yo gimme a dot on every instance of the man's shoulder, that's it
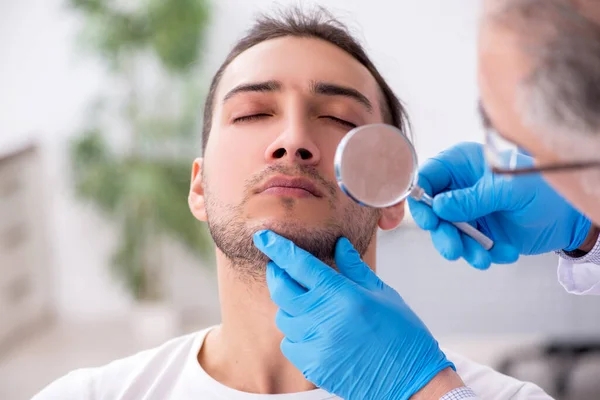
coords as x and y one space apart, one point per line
490 384
114 379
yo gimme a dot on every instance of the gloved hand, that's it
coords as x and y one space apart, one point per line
349 333
523 215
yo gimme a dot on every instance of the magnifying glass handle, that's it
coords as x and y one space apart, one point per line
482 239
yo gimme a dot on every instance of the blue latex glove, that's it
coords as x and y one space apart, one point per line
349 333
523 215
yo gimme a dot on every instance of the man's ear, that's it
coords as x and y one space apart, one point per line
196 196
392 216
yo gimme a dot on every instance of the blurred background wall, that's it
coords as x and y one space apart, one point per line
426 50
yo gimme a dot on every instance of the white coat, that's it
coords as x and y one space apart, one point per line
579 278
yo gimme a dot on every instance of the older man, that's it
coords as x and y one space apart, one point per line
539 77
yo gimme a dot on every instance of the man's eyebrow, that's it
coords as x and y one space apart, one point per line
485 119
331 89
266 86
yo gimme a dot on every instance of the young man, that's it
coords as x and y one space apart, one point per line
276 111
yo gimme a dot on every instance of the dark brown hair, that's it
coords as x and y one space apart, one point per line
318 24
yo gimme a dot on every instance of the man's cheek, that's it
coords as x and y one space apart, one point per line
227 186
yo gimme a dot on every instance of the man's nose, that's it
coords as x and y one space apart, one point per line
295 145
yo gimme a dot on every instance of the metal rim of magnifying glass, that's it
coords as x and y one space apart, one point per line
338 165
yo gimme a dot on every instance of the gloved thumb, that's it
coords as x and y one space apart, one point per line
350 264
468 204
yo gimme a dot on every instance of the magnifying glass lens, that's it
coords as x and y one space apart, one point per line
377 165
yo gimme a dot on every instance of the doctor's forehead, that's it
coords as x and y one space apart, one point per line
297 62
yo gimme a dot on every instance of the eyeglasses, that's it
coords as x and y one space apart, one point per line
506 158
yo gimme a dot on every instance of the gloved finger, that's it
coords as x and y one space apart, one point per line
447 241
470 203
434 176
423 215
475 254
294 328
352 266
297 354
285 292
504 253
306 358
300 265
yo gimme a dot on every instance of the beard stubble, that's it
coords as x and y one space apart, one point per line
232 232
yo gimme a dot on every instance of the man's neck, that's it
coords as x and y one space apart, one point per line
244 352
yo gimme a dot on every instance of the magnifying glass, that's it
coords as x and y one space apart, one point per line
376 166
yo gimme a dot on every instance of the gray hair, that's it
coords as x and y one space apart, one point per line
561 94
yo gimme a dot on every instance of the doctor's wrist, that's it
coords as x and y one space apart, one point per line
591 239
445 381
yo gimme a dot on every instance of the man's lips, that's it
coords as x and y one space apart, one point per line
290 186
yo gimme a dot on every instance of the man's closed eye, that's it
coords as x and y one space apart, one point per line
252 117
255 117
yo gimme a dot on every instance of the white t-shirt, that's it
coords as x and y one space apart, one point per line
172 372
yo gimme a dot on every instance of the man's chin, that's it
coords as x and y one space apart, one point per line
319 240
290 228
